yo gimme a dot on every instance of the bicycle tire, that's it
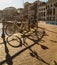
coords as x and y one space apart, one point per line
10 30
17 39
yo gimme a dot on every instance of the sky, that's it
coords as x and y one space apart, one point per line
14 3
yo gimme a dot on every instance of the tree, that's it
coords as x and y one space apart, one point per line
10 13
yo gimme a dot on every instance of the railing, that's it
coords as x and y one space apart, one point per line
52 22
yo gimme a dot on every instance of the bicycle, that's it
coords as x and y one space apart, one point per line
16 28
13 29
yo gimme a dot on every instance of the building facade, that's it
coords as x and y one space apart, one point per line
42 12
51 10
33 10
38 10
26 6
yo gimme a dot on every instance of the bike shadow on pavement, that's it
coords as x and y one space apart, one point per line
51 31
53 41
8 57
17 39
33 53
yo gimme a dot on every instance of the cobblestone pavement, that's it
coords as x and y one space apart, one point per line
32 52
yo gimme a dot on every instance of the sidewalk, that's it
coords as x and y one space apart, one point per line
45 50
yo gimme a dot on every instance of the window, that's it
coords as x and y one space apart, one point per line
47 18
51 5
49 12
50 18
44 13
47 6
44 8
55 4
53 18
54 11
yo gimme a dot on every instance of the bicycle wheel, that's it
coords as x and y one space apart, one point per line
11 29
14 41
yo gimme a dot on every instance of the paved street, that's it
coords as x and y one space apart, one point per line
33 51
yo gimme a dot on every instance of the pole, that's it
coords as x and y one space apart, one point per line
3 34
37 13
